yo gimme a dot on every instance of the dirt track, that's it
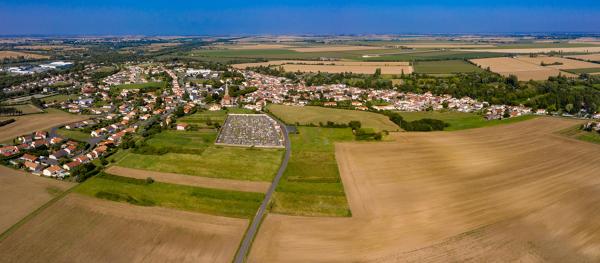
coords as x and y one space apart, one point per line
173 178
84 229
22 193
517 192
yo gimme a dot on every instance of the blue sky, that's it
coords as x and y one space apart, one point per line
199 17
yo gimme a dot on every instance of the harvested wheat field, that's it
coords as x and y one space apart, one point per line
590 57
173 178
333 48
34 122
590 49
446 45
22 193
84 229
16 54
561 63
253 46
523 70
518 192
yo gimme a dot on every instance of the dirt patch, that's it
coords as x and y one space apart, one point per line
22 193
173 178
17 54
523 70
34 122
83 229
426 189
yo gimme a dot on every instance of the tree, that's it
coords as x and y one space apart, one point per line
377 72
569 107
355 125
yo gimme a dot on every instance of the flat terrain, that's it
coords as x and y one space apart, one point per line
590 57
562 63
460 120
22 193
523 70
83 229
173 178
16 54
332 48
30 123
445 67
335 66
73 134
586 49
314 115
508 193
26 108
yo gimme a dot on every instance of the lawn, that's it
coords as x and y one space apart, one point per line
311 184
315 115
445 67
460 120
183 141
73 134
182 197
148 85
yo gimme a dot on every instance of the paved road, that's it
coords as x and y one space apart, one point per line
245 247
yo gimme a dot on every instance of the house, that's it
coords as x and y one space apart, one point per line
53 171
97 152
39 143
25 139
82 159
56 140
9 150
182 126
330 104
71 149
71 165
40 135
29 158
33 167
58 154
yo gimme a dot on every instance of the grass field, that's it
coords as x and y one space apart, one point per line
314 115
431 55
73 134
201 118
183 141
60 98
27 108
504 194
160 85
460 120
181 197
311 184
78 228
445 67
576 133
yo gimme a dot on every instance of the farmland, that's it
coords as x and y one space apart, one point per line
444 67
561 63
523 70
27 108
148 85
30 123
315 115
79 228
308 189
17 54
590 57
505 193
460 120
59 98
26 190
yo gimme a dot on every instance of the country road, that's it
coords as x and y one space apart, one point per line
251 233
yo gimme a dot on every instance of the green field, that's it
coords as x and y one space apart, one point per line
314 115
159 85
60 98
311 184
73 134
433 55
201 118
460 120
445 67
576 133
188 198
183 141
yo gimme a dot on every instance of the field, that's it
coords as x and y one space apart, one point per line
160 85
565 63
513 50
576 133
27 108
16 54
585 70
332 48
22 193
444 67
523 70
60 98
460 120
308 189
359 69
509 193
590 57
309 114
73 134
82 229
30 123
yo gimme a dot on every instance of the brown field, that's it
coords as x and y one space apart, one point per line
333 48
513 193
159 46
22 193
591 49
335 66
30 123
253 46
83 229
446 45
49 47
590 57
566 63
523 70
173 178
16 54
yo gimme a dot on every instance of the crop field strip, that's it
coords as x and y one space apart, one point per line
505 193
523 70
34 122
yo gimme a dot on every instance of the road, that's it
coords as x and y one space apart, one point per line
255 223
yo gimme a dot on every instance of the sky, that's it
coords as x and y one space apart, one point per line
247 17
